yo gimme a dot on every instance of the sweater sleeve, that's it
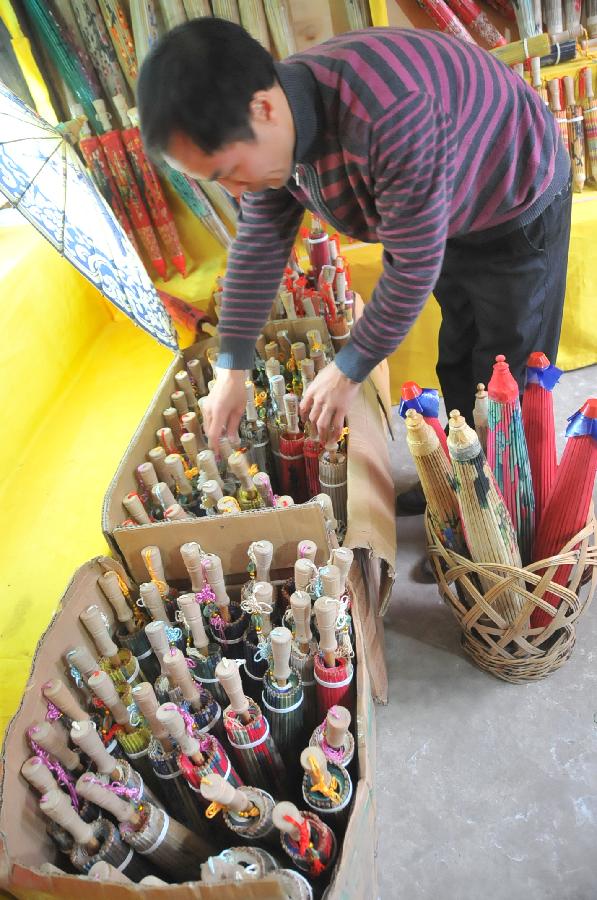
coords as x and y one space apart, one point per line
267 227
412 165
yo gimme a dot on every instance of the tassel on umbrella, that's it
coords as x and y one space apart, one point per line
333 673
567 508
576 135
508 456
147 178
487 525
426 402
538 421
327 787
437 480
333 736
248 732
247 811
309 842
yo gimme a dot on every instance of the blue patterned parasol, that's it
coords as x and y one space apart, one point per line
41 176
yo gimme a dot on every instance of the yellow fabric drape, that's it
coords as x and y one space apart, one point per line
26 60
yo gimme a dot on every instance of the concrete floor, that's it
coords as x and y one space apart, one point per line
484 789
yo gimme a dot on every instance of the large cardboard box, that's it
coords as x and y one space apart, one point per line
24 845
371 529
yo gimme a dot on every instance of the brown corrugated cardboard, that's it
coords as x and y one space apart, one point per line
24 845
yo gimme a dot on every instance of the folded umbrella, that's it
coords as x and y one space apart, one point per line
539 427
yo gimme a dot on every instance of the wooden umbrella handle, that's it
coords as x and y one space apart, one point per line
307 550
53 740
95 625
314 762
152 555
228 674
193 616
191 556
175 666
337 723
87 787
103 687
84 735
134 507
148 474
153 602
215 577
169 716
326 611
281 641
83 659
263 552
217 790
281 813
263 594
342 558
146 700
37 774
57 806
56 691
331 581
300 604
304 570
112 591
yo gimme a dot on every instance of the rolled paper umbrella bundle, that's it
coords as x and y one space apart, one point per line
121 665
539 426
206 711
98 841
553 89
293 479
247 811
238 864
474 18
248 732
312 449
327 786
152 559
333 474
200 755
204 655
437 480
426 402
487 525
333 674
62 699
259 603
85 736
304 651
150 831
480 415
247 495
333 736
576 134
508 456
309 842
567 508
282 697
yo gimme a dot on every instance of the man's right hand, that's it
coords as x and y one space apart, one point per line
224 405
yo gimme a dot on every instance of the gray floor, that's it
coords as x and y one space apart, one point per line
485 789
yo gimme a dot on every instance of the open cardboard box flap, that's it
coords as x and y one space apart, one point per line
24 844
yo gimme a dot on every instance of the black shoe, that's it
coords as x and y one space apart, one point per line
411 502
423 571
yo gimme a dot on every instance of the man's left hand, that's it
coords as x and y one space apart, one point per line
327 401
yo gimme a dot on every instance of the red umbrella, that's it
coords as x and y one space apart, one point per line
129 190
538 421
426 402
147 177
568 504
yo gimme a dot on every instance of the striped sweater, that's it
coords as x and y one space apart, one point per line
403 137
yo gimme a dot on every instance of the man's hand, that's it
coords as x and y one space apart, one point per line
327 400
224 405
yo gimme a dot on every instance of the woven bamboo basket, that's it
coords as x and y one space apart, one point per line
516 652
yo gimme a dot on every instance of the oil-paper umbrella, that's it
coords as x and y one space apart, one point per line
444 19
576 134
590 116
122 39
282 697
569 501
93 30
474 18
508 456
539 426
555 103
426 402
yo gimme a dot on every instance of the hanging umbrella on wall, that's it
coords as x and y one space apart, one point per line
42 177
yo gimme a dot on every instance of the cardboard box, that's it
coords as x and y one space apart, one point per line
371 529
24 845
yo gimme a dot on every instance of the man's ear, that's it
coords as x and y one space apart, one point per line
261 108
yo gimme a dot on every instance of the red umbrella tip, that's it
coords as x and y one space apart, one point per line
410 390
589 408
502 386
538 360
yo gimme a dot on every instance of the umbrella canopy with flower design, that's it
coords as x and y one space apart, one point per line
42 177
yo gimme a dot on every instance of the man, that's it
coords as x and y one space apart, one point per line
413 139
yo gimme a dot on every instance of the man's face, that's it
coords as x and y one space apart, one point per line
241 166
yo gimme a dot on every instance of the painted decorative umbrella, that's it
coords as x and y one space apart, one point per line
569 501
539 427
590 117
426 402
508 456
43 178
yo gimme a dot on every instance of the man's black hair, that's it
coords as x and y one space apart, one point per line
199 79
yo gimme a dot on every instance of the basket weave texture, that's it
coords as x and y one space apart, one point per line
516 652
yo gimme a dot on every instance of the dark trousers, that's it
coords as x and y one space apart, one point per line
501 295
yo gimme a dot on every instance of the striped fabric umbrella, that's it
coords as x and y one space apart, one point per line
426 402
567 508
508 456
490 535
539 426
437 480
248 732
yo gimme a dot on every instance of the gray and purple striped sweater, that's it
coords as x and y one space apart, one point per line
406 138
